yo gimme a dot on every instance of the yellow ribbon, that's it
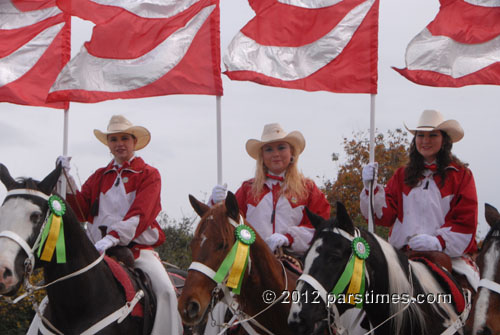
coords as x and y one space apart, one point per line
50 244
357 276
238 265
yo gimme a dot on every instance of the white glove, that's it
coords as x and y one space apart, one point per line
370 172
219 193
64 160
105 243
277 240
424 242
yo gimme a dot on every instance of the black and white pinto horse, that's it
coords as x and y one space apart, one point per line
77 303
391 281
485 314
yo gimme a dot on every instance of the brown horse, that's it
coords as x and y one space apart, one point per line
485 315
264 277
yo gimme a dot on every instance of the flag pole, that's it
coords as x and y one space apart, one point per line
65 149
219 139
371 227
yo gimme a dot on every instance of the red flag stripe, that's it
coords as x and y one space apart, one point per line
125 62
338 53
16 38
460 47
487 76
36 45
466 23
291 26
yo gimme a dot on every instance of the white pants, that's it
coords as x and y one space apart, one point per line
167 318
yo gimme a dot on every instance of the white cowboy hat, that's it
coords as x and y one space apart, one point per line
433 120
119 124
273 132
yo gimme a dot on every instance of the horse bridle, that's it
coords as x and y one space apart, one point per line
228 299
455 326
323 293
29 263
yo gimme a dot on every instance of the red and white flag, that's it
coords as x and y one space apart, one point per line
35 45
460 47
313 45
143 49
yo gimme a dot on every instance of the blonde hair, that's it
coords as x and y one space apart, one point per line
294 185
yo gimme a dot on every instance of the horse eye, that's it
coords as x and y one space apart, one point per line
36 217
220 246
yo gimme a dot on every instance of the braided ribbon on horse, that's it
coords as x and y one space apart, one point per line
237 259
354 272
53 232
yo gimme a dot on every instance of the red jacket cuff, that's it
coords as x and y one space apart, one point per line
290 239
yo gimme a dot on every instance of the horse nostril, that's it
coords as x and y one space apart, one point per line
7 273
2 287
193 308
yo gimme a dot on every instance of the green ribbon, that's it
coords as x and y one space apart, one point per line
244 234
361 251
57 208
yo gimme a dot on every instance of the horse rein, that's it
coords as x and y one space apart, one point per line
30 265
228 299
490 285
452 329
323 293
333 308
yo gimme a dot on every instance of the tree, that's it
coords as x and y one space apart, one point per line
16 318
391 152
178 235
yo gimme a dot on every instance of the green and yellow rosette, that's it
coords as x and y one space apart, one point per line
354 272
236 260
53 233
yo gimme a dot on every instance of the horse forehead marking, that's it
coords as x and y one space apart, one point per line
14 216
312 255
203 239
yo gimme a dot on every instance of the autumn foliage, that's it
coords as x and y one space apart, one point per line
16 318
391 152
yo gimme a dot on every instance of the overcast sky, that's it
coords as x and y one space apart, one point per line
183 128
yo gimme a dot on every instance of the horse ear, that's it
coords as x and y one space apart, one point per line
343 218
316 220
49 182
7 180
491 214
233 210
199 207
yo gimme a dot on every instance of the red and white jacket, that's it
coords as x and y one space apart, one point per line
447 211
128 200
289 216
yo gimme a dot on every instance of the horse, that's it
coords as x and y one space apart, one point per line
392 283
76 303
485 314
265 277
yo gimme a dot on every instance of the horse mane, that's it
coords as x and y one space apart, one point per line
399 284
26 182
494 232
